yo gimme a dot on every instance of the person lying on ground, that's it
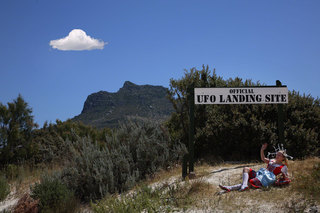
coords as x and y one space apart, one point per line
264 177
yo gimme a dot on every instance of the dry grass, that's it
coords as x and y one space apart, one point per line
202 170
28 175
200 193
306 176
164 174
296 197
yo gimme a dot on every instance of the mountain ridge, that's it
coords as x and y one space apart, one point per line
107 109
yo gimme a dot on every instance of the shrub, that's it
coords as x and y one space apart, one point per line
146 145
51 146
135 150
4 188
50 140
53 195
90 173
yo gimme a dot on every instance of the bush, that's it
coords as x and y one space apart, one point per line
53 195
90 173
51 146
145 146
4 188
132 152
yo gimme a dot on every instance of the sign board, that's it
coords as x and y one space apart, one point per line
242 95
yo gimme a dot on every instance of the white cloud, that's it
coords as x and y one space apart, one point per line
77 40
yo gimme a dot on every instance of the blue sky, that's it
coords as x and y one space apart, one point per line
149 42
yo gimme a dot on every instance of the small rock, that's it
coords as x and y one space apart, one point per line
313 209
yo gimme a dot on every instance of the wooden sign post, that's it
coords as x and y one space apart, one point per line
241 95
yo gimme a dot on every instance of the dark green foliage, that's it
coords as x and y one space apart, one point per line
70 130
236 132
133 151
16 125
4 188
51 146
53 195
51 138
302 129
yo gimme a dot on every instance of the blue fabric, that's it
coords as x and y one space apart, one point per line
266 177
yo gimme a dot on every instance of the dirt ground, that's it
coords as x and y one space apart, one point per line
273 199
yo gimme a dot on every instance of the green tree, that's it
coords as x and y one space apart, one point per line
16 125
235 132
177 94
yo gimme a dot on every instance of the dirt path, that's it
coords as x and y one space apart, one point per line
10 201
227 175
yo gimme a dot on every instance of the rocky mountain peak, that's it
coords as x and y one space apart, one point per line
105 109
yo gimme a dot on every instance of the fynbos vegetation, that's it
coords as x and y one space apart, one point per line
135 150
53 196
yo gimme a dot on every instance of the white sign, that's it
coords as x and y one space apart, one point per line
244 95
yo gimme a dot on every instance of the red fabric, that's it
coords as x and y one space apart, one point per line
252 174
282 181
275 169
255 183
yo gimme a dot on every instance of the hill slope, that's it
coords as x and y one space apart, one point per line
105 109
168 193
165 190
